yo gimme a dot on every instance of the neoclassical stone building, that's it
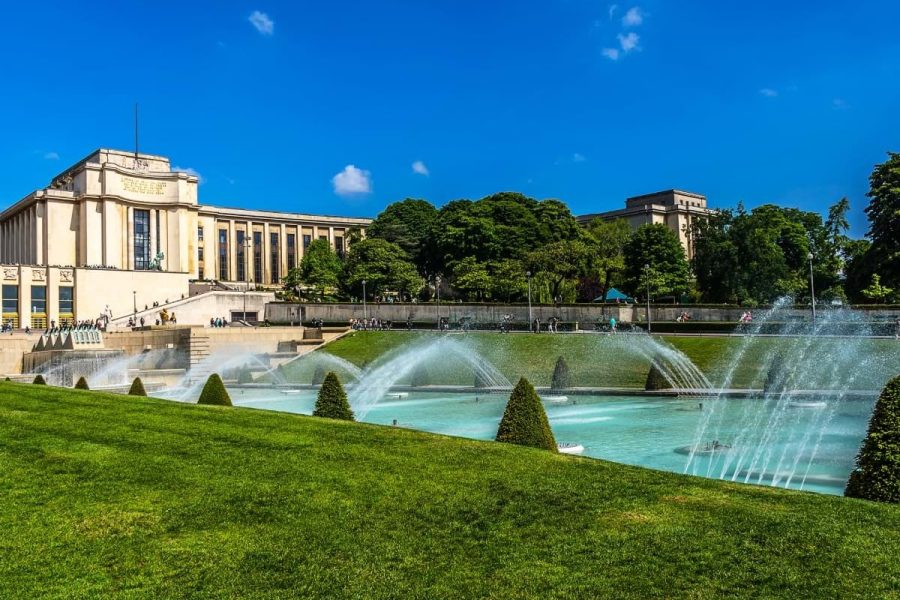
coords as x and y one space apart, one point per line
119 230
675 209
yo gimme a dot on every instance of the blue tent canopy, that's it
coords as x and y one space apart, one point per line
613 295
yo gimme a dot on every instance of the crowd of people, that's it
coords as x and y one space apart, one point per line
216 322
374 324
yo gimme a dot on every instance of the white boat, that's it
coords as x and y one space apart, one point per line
290 391
397 394
815 404
555 398
570 448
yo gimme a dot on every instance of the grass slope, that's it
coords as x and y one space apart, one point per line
594 360
116 496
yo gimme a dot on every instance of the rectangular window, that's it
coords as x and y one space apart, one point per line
141 240
257 256
223 254
158 236
39 299
66 301
274 257
291 251
323 237
241 255
10 299
307 240
339 245
200 233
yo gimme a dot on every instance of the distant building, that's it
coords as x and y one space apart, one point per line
94 237
675 209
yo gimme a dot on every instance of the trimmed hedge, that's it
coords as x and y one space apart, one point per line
331 402
524 421
318 376
137 388
776 375
877 473
656 380
39 380
560 379
82 384
214 392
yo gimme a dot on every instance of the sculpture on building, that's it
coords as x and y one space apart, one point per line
156 263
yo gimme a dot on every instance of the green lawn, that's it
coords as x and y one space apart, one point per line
113 496
607 361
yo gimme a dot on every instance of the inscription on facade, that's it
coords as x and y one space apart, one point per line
143 186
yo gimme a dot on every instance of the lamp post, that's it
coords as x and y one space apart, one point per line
365 311
812 289
437 290
134 295
530 321
647 276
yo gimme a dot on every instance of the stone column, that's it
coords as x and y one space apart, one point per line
128 234
232 252
266 262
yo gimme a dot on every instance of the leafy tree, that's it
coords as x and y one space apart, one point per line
508 279
319 270
657 246
656 380
82 384
857 267
608 251
715 262
137 388
560 379
876 292
214 392
524 421
877 473
883 212
409 224
561 262
39 380
383 265
471 278
331 402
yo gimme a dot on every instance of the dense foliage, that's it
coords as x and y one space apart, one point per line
655 261
137 388
877 473
332 402
214 392
319 272
82 384
524 421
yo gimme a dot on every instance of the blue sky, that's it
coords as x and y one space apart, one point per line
585 101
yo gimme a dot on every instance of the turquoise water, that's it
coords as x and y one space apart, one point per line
808 446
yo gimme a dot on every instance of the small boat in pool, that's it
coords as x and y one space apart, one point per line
287 392
811 404
569 448
555 398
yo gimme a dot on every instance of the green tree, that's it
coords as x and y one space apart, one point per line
657 246
82 384
560 380
318 272
883 213
471 278
608 251
876 292
214 392
561 262
409 224
331 402
507 279
524 421
383 265
137 388
877 473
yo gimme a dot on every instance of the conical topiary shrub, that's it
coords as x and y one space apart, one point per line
245 376
877 473
656 380
39 380
318 376
481 381
560 379
137 388
214 392
332 400
82 384
524 421
776 375
419 377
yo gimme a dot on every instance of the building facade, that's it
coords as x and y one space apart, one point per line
119 230
675 209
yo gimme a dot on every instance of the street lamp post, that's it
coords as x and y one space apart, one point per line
365 310
647 275
812 289
437 290
530 321
134 295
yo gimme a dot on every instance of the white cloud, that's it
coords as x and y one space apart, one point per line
610 53
612 10
578 157
51 156
352 181
629 41
262 22
633 17
419 168
768 92
190 171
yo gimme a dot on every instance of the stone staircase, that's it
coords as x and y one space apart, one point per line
198 352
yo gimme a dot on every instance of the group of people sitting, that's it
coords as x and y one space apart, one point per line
374 324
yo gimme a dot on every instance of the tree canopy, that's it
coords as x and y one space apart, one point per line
383 265
667 272
319 270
